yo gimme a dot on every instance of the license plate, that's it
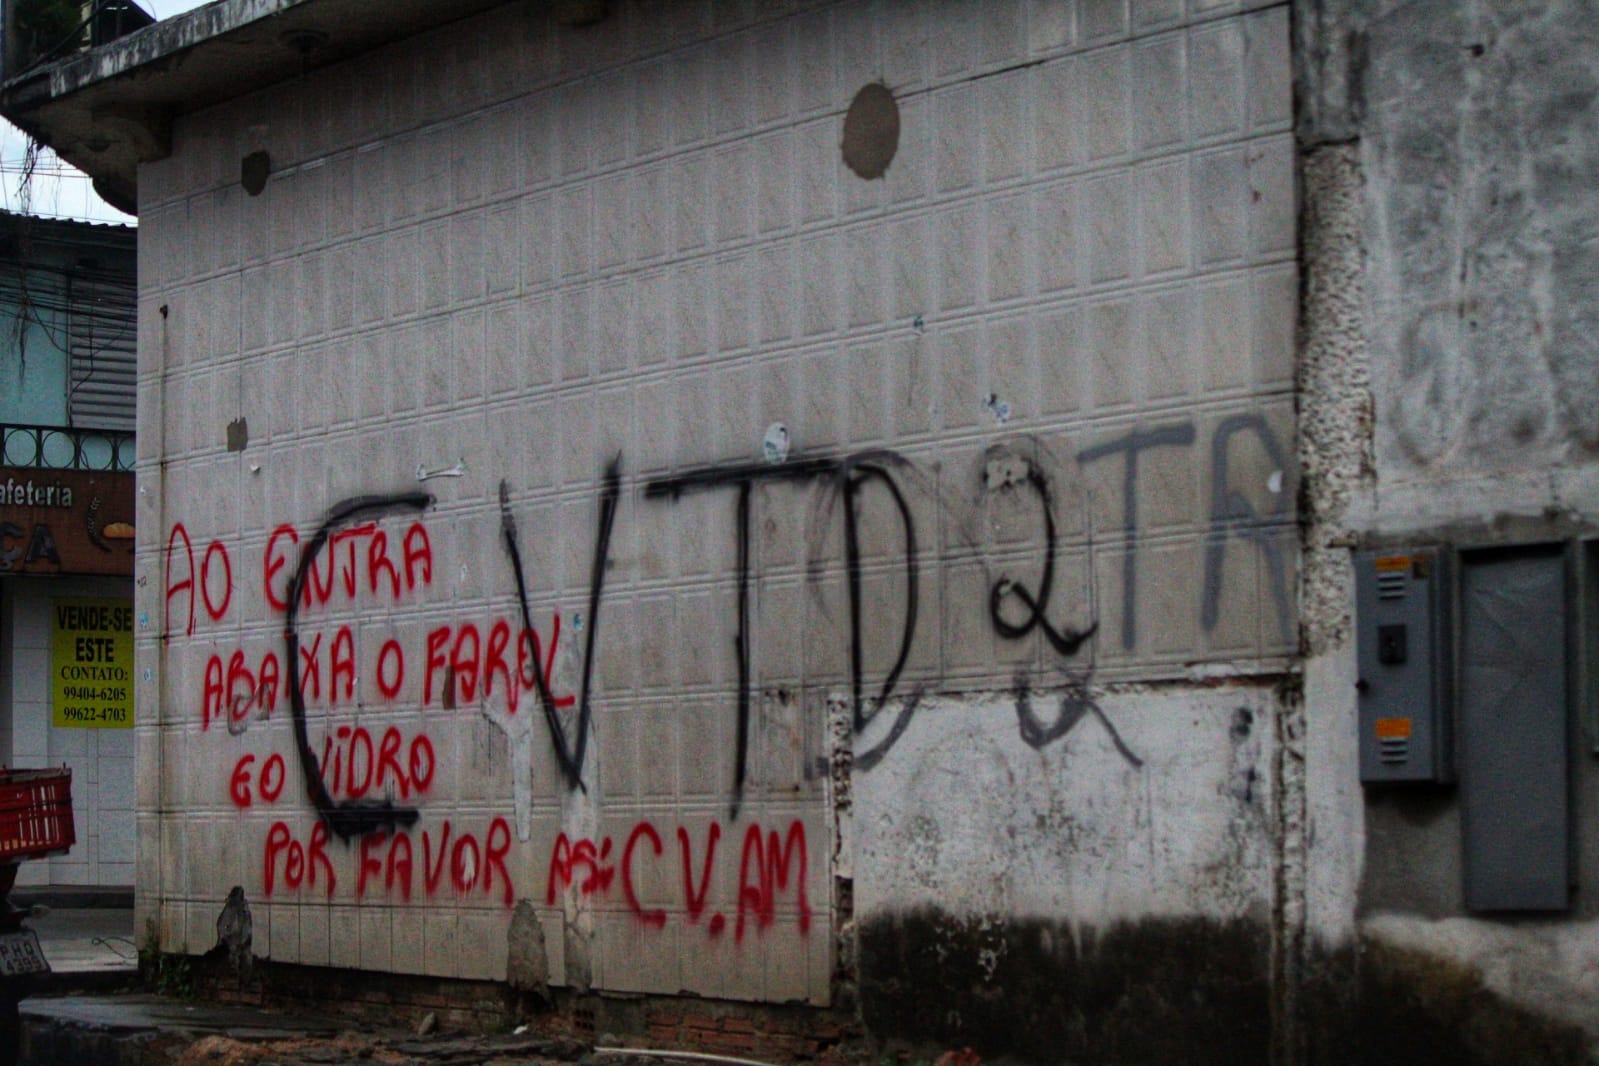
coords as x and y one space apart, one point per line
20 954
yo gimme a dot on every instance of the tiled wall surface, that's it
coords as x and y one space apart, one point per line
535 251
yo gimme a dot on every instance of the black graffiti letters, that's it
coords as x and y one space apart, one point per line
347 819
741 477
1075 704
870 494
1066 641
860 471
847 477
570 753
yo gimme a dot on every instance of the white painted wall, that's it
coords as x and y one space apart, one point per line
1177 821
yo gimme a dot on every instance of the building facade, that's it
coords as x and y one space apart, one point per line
66 534
864 505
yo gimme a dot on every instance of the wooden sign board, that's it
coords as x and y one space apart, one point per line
66 521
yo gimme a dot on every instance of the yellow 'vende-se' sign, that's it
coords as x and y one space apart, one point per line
91 664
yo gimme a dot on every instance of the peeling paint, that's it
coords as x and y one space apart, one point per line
775 445
999 409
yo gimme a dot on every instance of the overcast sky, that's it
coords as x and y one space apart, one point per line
59 191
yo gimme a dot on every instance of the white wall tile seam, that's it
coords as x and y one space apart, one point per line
1167 282
917 207
1091 425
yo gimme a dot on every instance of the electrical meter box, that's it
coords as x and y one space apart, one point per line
1403 639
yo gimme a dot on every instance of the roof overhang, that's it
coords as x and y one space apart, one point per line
111 108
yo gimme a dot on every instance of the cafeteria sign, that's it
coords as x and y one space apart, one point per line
91 664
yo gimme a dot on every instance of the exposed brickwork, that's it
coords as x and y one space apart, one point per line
776 1033
773 1034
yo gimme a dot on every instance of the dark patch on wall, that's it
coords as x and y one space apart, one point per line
1389 1005
871 131
1161 990
238 434
254 169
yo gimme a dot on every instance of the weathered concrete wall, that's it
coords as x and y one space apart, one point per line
1335 418
998 639
1448 398
1477 147
1055 923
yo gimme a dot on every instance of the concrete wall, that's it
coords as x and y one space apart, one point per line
1449 399
1480 202
989 667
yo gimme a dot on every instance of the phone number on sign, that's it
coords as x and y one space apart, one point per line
118 715
108 694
